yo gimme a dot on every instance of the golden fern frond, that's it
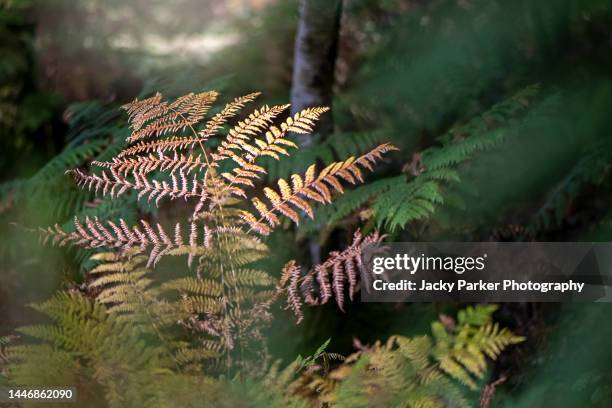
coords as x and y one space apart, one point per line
116 184
127 295
189 355
201 305
255 224
226 113
272 146
194 105
369 159
253 125
303 121
146 164
311 186
244 148
203 287
245 277
415 349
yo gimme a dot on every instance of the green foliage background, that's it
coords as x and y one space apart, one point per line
501 110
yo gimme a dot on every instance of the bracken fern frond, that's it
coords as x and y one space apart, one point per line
226 302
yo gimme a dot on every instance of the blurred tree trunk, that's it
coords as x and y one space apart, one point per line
314 60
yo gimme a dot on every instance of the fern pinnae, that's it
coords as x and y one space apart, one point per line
291 274
203 287
93 234
139 108
230 110
418 371
239 136
324 284
332 276
175 143
338 283
312 187
163 118
115 185
275 142
147 164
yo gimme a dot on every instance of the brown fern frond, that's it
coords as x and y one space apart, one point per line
193 107
146 164
226 301
342 264
307 290
313 187
92 233
159 118
292 273
324 285
162 126
116 184
164 145
352 275
339 280
144 109
332 276
195 114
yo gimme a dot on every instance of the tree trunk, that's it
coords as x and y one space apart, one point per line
314 60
